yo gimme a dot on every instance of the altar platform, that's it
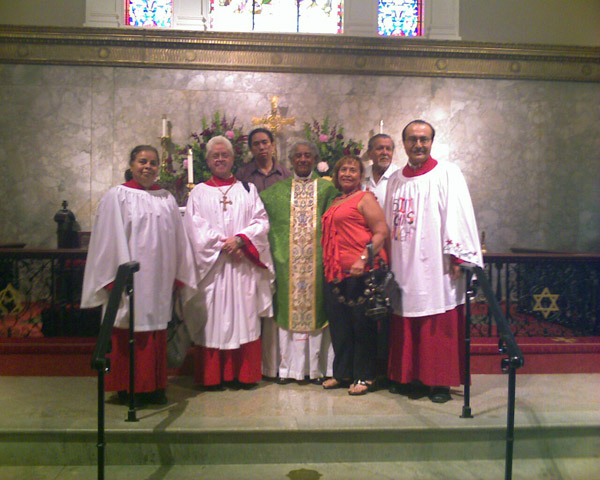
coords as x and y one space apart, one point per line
48 431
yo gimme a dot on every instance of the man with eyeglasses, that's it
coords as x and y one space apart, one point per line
295 206
429 211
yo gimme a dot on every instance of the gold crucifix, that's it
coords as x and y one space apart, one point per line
224 201
274 121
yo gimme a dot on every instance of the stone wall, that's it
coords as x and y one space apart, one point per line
530 150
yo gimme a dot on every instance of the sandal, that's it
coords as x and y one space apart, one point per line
332 383
361 387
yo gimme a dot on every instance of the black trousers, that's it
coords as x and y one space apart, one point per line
354 339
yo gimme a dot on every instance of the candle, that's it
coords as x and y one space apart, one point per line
164 126
190 166
381 126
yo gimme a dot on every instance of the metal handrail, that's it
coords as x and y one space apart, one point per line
123 283
506 345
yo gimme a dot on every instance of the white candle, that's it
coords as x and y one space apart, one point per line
164 126
381 126
190 166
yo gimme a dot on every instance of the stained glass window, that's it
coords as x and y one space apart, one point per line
400 18
148 13
283 16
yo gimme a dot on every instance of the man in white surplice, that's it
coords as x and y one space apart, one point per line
227 224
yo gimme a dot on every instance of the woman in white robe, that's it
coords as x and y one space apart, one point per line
139 221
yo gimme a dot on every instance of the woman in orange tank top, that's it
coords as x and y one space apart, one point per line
354 220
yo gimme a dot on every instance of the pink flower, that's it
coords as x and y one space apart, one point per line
229 134
323 138
322 167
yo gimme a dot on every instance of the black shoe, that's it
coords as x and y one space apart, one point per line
399 388
440 395
417 390
285 381
247 386
138 399
157 397
317 381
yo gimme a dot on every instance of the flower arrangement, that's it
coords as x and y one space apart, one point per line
331 144
173 175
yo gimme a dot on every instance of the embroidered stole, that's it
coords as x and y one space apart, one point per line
303 256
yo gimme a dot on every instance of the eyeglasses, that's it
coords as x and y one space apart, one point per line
423 140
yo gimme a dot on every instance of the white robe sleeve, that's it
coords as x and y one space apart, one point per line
460 235
186 269
257 230
107 250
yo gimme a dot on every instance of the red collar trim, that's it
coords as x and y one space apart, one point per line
135 184
427 166
219 182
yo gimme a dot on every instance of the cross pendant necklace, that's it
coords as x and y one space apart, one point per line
224 201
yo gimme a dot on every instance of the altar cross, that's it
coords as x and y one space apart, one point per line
274 122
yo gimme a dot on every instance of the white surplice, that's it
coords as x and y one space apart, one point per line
430 218
143 226
232 294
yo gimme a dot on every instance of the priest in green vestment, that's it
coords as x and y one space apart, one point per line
295 206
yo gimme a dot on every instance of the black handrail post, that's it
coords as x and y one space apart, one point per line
99 360
466 410
101 443
131 417
510 422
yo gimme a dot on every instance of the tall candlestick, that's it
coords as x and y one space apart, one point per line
380 126
164 126
190 166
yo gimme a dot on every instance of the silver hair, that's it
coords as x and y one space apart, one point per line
219 139
313 148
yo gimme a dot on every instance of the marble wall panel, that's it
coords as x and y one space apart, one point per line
530 150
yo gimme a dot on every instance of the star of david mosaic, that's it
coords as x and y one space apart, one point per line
544 307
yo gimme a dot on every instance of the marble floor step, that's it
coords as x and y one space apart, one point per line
258 446
536 469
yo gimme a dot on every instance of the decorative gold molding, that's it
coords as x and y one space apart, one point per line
295 53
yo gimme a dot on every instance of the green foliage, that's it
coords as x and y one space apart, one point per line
173 174
331 143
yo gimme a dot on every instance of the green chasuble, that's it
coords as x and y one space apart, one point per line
295 208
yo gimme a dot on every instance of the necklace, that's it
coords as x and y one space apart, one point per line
224 201
344 197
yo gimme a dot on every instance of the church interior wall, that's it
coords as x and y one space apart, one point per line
529 149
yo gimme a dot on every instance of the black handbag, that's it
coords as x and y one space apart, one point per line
377 289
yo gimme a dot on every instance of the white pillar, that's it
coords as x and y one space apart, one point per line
360 18
441 19
104 13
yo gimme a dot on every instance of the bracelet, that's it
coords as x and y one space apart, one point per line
363 258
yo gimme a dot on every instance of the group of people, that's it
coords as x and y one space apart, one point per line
271 266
